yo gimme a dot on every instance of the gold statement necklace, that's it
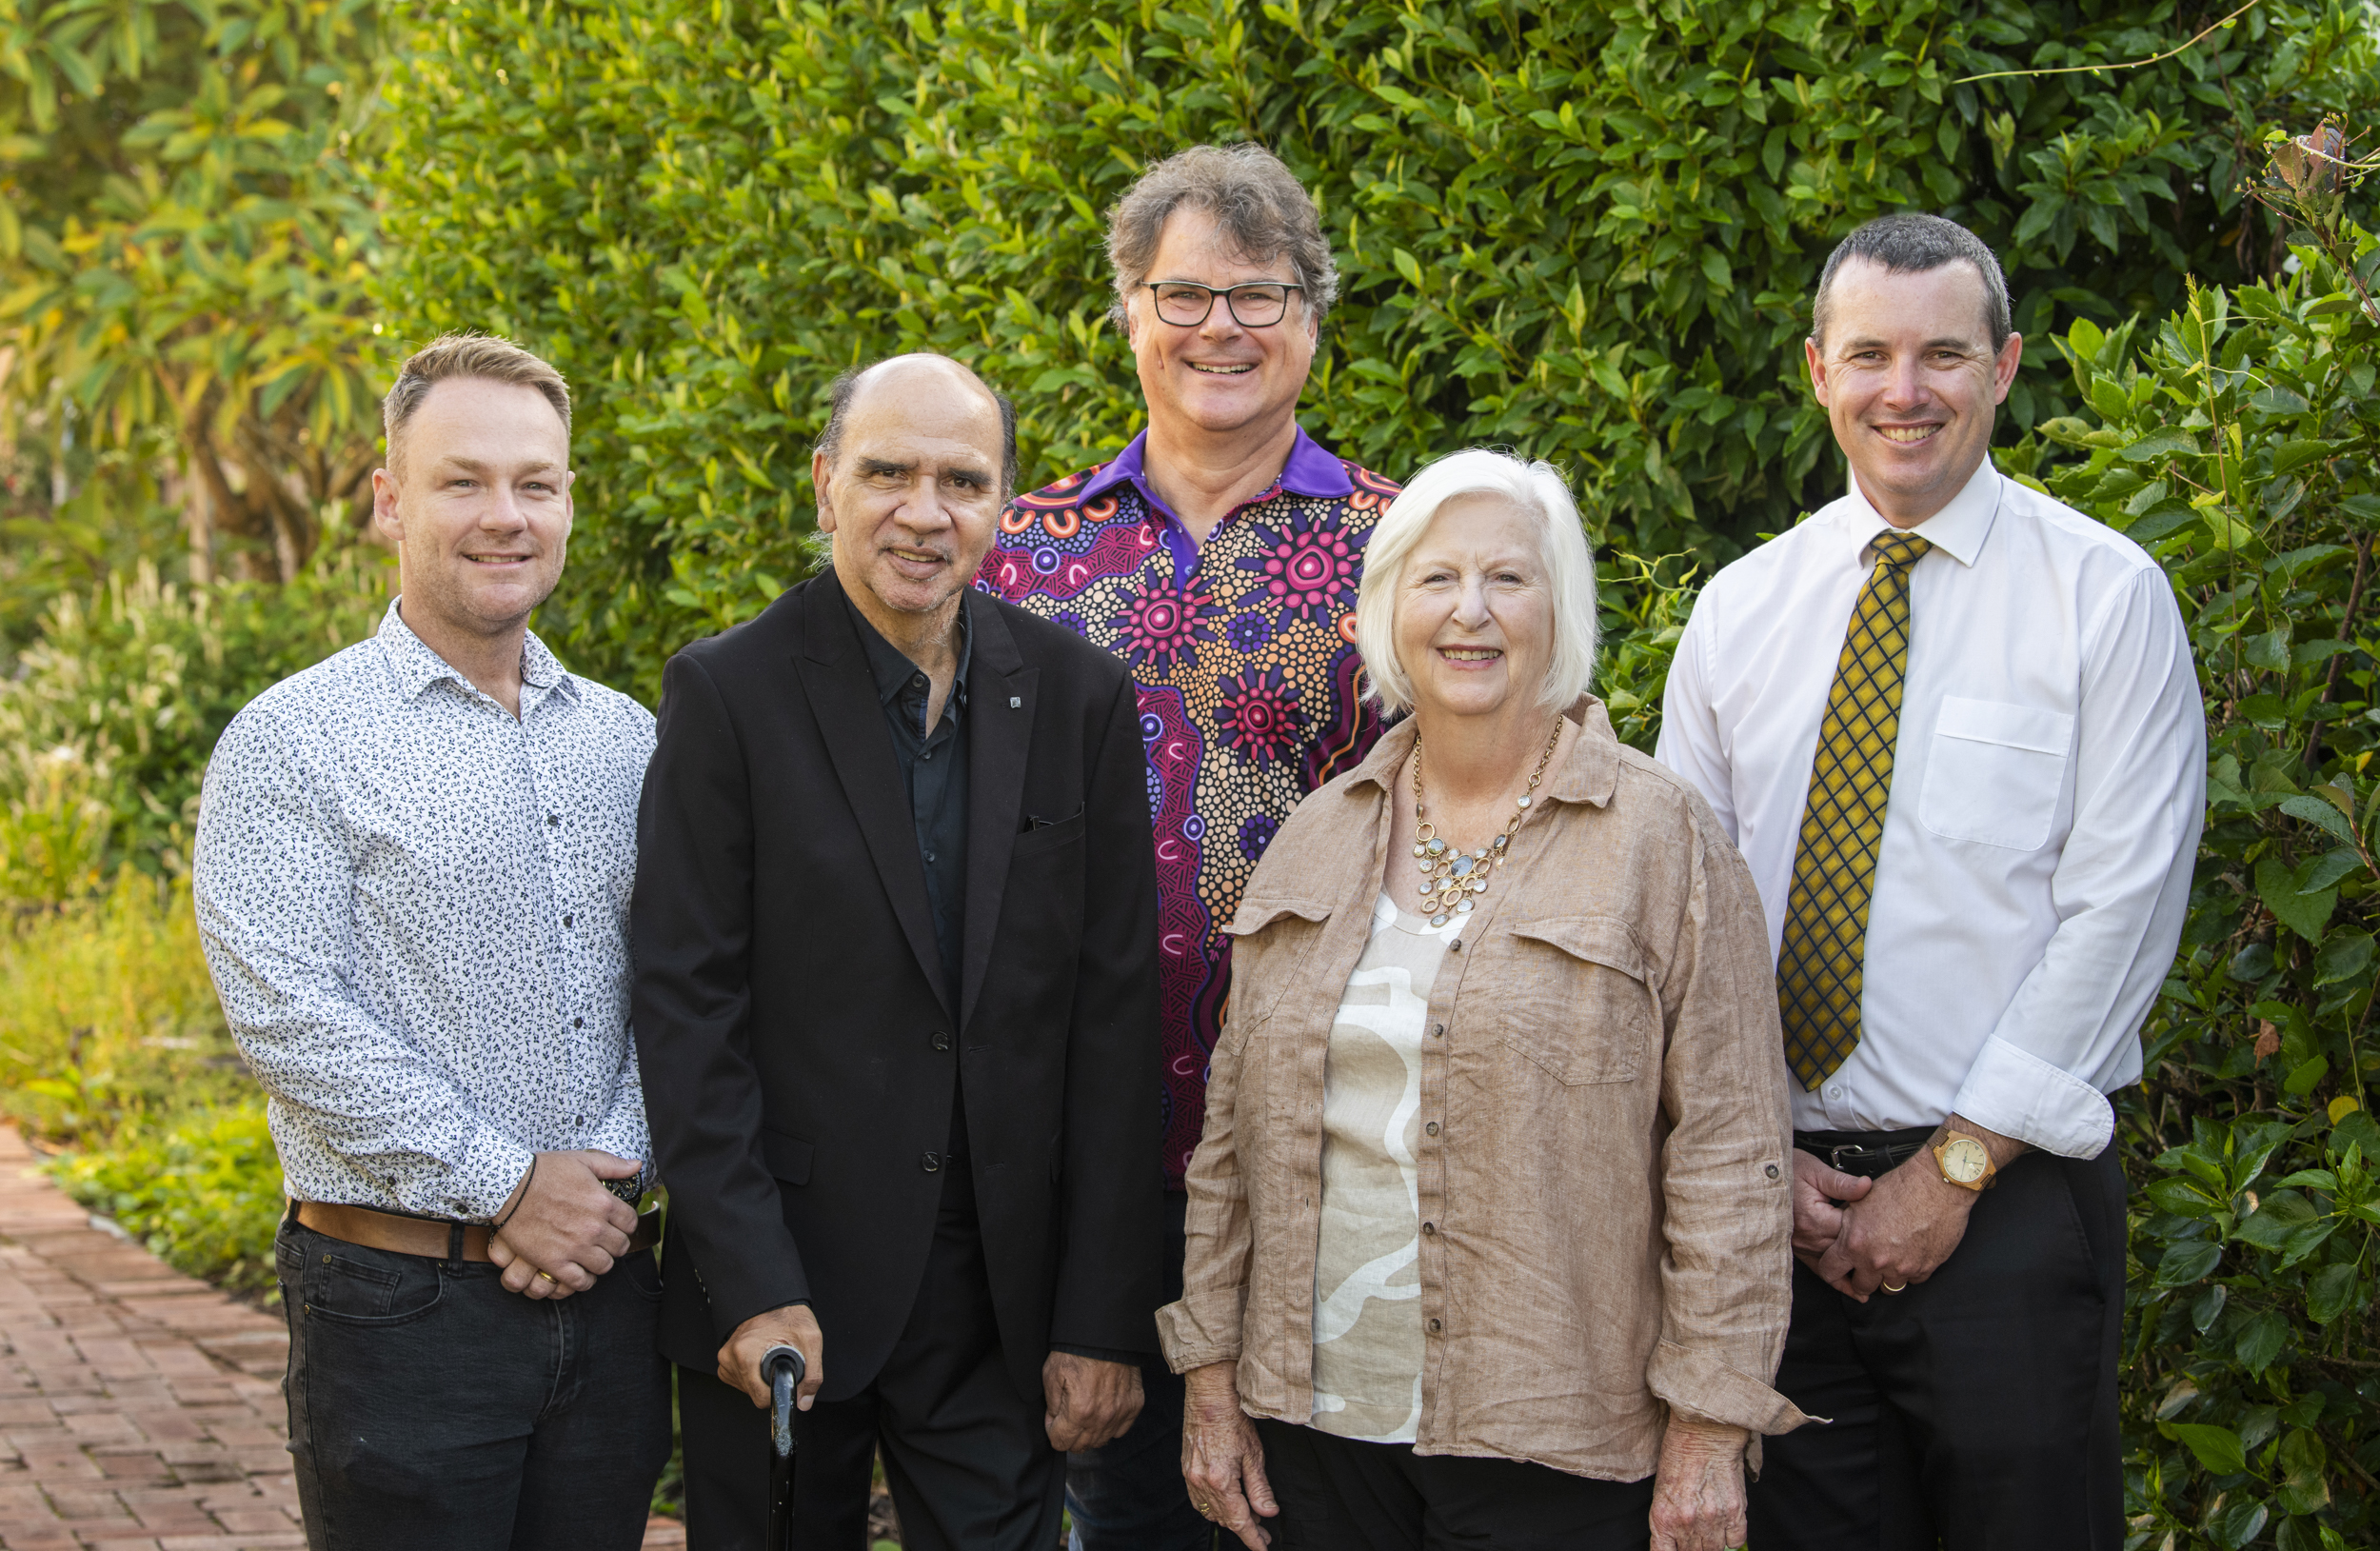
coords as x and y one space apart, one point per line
1451 877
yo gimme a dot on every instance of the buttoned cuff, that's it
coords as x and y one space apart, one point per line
1202 1328
1699 1383
490 1169
2014 1092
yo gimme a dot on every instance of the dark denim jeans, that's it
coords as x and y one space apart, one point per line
1129 1496
430 1408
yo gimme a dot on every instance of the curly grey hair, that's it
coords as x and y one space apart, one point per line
1261 209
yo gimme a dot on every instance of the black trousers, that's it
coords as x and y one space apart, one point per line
966 1456
428 1406
1975 1411
1338 1495
1129 1495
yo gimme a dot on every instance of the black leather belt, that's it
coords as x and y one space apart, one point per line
1867 1154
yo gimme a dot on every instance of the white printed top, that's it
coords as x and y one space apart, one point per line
415 908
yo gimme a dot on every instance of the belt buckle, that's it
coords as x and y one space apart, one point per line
1849 1152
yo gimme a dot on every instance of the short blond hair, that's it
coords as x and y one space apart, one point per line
485 356
1537 488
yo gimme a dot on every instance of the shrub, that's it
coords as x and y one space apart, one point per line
2234 440
1584 231
204 1196
119 704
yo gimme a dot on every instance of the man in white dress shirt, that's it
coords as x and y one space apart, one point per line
1955 727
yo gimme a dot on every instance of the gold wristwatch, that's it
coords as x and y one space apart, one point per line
1965 1161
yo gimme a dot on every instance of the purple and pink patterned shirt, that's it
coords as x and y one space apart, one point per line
1244 651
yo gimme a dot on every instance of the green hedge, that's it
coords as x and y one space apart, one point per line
1585 231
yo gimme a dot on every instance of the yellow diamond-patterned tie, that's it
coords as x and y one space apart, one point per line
1818 967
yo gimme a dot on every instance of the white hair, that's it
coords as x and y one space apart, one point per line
1537 489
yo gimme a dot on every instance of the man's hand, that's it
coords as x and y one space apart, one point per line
1817 1220
1088 1402
793 1325
1910 1223
562 1230
1223 1461
1698 1488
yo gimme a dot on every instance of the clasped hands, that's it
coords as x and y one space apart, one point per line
561 1228
1889 1233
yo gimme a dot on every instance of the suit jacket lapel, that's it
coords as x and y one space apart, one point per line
835 675
999 710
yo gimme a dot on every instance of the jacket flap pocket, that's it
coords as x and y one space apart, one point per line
1603 939
2036 728
1254 915
788 1157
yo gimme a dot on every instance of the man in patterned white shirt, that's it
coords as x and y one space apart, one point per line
412 874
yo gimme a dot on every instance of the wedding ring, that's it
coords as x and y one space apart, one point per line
1903 1287
549 1276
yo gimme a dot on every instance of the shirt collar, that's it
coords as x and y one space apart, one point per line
891 668
1310 471
417 666
1589 774
1958 530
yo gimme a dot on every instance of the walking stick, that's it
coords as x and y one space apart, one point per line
785 1368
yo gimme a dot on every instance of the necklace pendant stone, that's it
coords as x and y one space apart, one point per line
1462 866
1438 920
1421 850
1524 802
1438 848
1462 907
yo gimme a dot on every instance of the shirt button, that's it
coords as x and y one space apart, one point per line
1834 1092
1770 1171
1435 1326
1432 1127
1455 945
1437 1031
1429 1229
931 1163
930 859
567 919
552 819
942 1040
577 1023
928 755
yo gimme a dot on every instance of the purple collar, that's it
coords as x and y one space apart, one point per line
1310 471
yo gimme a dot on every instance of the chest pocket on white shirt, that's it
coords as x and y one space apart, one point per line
1995 772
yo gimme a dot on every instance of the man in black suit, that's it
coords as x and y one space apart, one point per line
895 927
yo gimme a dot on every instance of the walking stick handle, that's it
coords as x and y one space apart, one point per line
785 1368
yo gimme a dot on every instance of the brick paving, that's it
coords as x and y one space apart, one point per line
140 1409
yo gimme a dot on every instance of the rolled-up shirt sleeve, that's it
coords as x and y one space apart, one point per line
2121 888
1726 1166
272 885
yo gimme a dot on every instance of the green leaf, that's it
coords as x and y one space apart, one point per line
2277 885
2260 1340
2315 812
2188 1263
2164 443
2217 1448
2330 1292
2343 957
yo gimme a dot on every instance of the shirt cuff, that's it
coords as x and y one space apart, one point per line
1702 1385
2014 1092
1202 1328
489 1170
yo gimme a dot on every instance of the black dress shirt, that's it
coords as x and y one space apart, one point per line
933 775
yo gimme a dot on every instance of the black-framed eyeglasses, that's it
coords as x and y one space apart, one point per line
1257 304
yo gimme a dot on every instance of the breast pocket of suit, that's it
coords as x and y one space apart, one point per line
1995 772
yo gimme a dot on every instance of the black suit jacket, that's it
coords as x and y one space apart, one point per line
791 1022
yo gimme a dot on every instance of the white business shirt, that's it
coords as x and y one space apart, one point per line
415 907
2047 788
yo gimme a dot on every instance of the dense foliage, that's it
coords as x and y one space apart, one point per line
1586 231
2235 440
184 246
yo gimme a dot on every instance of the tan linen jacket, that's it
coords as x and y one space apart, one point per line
1605 1160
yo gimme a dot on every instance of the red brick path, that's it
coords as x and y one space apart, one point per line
140 1410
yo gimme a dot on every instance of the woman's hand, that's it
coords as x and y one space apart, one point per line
1698 1489
1221 1462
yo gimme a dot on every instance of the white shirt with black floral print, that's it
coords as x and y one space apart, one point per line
415 908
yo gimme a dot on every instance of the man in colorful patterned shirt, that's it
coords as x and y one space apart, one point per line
1217 554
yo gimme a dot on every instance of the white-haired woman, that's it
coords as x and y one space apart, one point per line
1489 1234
